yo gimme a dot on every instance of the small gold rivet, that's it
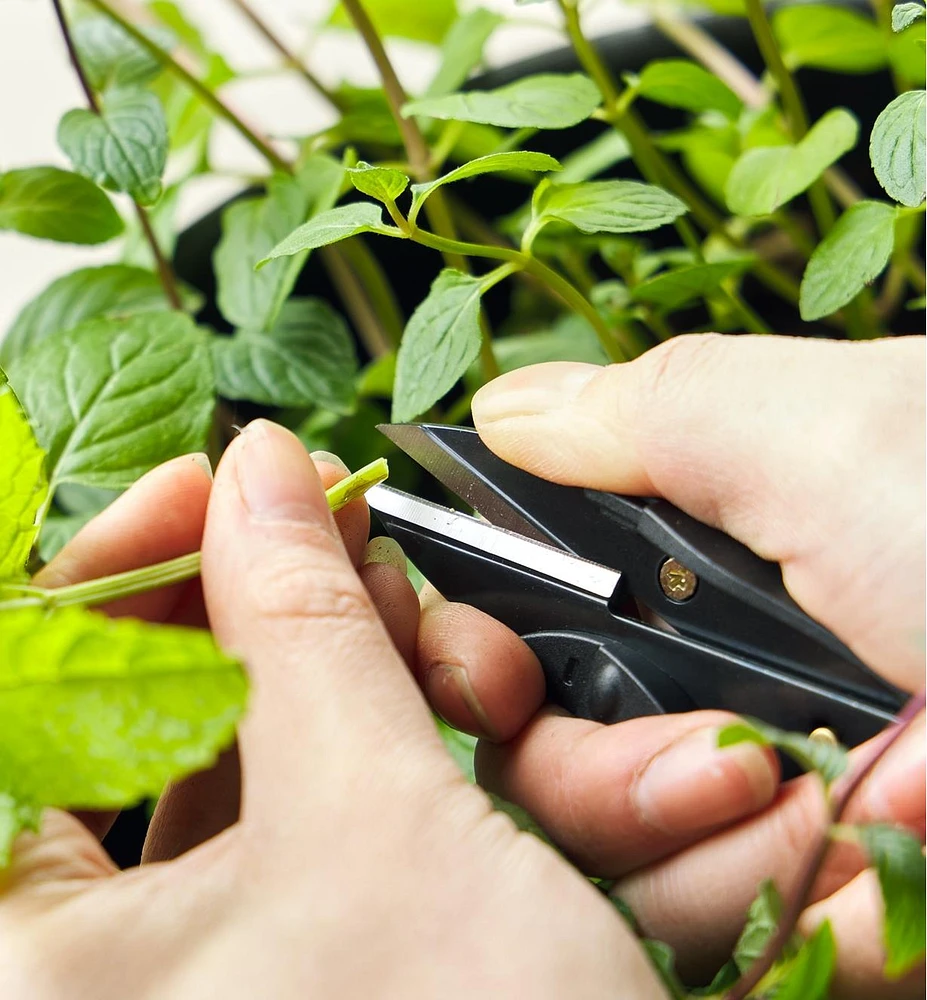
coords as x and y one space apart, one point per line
823 735
676 581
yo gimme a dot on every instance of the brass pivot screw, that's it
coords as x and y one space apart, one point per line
676 581
823 735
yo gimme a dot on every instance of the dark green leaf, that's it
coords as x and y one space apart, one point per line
831 38
382 183
422 22
673 289
112 398
905 14
851 255
545 101
807 976
124 148
610 206
723 980
683 84
111 57
828 759
462 50
55 204
898 858
330 227
897 148
306 359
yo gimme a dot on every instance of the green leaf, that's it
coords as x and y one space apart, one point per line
905 14
112 398
851 255
663 959
831 38
330 227
99 713
440 341
89 293
122 149
570 339
899 860
382 183
807 976
673 289
54 204
462 50
906 53
422 22
897 148
14 818
828 759
460 746
680 83
547 100
594 158
610 206
254 226
767 177
762 920
111 57
307 358
521 818
25 488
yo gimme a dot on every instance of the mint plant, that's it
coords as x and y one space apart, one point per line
745 215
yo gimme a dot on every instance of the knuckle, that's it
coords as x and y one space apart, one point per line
667 370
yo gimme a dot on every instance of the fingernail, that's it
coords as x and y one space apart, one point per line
201 459
695 784
329 458
387 551
447 685
277 483
532 390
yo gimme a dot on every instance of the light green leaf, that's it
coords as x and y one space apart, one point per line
99 713
831 38
905 14
122 149
460 746
330 227
807 976
673 289
609 206
547 100
421 22
24 489
112 398
594 158
440 341
851 255
462 50
899 860
14 818
89 293
762 920
828 759
767 177
253 226
680 83
382 183
54 204
897 148
306 359
906 53
111 57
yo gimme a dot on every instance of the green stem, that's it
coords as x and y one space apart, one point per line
357 304
753 323
382 298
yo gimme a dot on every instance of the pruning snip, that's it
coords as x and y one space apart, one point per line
580 575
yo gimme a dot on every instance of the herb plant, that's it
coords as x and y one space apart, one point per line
741 218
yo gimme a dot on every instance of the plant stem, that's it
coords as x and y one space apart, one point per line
356 301
379 291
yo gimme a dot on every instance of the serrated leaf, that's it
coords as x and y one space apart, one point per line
462 50
610 206
99 713
54 204
673 289
112 398
124 148
382 183
330 227
851 255
253 226
807 976
767 177
762 921
440 341
828 759
306 359
24 489
423 22
831 38
111 57
898 858
547 100
897 148
680 83
89 293
905 14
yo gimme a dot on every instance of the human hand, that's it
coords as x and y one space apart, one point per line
811 453
362 863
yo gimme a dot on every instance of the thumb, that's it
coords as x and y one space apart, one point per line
810 452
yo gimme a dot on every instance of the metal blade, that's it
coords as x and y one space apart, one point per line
469 532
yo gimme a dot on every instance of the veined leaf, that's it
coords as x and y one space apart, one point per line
424 22
98 713
382 183
762 920
547 100
112 398
330 227
767 177
54 204
24 489
851 255
610 206
897 148
124 148
829 760
905 14
827 37
111 57
672 289
462 50
680 83
306 359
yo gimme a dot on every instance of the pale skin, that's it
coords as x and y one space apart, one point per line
346 856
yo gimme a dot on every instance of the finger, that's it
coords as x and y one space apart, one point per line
616 797
353 519
384 575
742 432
